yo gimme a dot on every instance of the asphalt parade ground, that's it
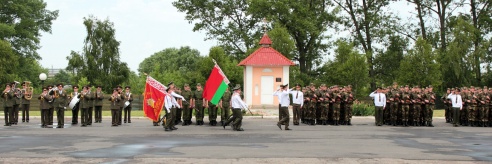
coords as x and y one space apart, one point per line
261 142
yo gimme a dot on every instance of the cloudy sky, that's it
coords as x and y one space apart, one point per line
142 26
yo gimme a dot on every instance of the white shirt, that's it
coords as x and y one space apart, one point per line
298 97
237 102
284 98
456 100
379 99
175 95
170 102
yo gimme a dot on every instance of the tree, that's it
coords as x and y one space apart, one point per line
22 22
99 61
225 20
481 11
305 21
233 72
172 64
348 68
387 64
370 24
420 66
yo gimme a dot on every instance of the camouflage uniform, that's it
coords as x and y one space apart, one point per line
406 101
337 100
429 107
349 101
324 105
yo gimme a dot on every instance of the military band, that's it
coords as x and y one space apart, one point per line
128 105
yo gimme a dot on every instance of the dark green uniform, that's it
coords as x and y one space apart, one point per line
98 102
26 104
225 110
8 103
85 103
473 109
447 108
429 107
324 98
417 99
188 95
395 97
337 100
128 110
405 107
212 114
16 108
115 109
482 107
45 107
60 104
349 102
199 111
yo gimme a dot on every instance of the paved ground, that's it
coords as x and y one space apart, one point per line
261 142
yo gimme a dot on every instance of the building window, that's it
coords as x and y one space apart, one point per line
278 79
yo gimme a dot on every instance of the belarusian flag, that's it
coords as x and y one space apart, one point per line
215 86
153 98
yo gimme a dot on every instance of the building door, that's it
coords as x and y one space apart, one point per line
267 90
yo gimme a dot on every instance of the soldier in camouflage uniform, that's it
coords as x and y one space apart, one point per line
337 100
482 104
324 101
395 100
447 106
348 98
405 101
430 100
311 105
473 106
418 100
304 108
387 108
489 111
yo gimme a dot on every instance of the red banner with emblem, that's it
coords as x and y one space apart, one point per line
153 98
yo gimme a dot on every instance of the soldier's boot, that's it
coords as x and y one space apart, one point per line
430 124
416 123
472 123
393 122
348 123
336 122
486 124
313 122
318 122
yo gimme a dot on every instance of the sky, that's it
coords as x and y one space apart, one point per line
143 28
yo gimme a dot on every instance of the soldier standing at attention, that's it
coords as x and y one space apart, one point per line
430 104
115 107
52 108
128 109
447 107
85 103
284 92
187 105
379 103
98 102
324 104
225 106
212 113
237 105
199 104
298 103
75 109
8 103
60 103
348 97
91 104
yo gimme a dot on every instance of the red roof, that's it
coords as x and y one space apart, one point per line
265 40
266 56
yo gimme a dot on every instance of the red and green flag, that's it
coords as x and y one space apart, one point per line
215 86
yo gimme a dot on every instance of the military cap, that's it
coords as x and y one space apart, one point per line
119 86
198 84
99 86
298 85
170 83
186 85
75 86
60 84
323 85
128 87
236 88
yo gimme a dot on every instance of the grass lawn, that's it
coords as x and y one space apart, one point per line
139 113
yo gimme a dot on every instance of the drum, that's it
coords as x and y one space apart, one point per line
74 102
126 104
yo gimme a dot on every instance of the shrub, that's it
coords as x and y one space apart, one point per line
362 109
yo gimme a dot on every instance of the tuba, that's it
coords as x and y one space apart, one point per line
28 90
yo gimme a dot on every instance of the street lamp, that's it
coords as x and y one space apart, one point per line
42 77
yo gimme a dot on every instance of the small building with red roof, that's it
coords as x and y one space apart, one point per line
264 71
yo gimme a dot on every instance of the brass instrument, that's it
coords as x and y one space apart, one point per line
28 90
17 92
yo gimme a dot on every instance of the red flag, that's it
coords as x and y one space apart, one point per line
153 98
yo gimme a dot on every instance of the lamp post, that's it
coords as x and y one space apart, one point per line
42 77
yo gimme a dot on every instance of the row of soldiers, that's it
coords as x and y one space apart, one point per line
476 106
57 99
323 106
409 106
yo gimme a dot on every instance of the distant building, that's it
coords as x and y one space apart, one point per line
53 71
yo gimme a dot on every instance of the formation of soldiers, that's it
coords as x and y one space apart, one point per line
57 99
475 106
325 106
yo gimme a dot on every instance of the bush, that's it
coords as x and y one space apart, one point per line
362 110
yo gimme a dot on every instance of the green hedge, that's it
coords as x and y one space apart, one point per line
362 110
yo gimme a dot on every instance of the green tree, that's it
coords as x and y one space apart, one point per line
348 68
99 61
225 20
387 64
370 23
306 23
21 23
420 66
233 72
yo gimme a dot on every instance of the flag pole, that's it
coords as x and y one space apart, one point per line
214 61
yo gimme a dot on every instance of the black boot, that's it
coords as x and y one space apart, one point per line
394 123
430 124
348 123
336 122
472 123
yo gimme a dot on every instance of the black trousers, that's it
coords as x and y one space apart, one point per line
25 112
379 115
456 116
128 114
89 118
75 114
51 111
115 116
60 116
15 114
84 116
7 113
120 115
45 117
98 113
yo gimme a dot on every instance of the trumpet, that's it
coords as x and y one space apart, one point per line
28 90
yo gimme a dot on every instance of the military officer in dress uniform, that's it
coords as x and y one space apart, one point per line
115 106
52 108
237 105
60 104
85 103
26 103
284 92
76 108
45 106
121 104
98 102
